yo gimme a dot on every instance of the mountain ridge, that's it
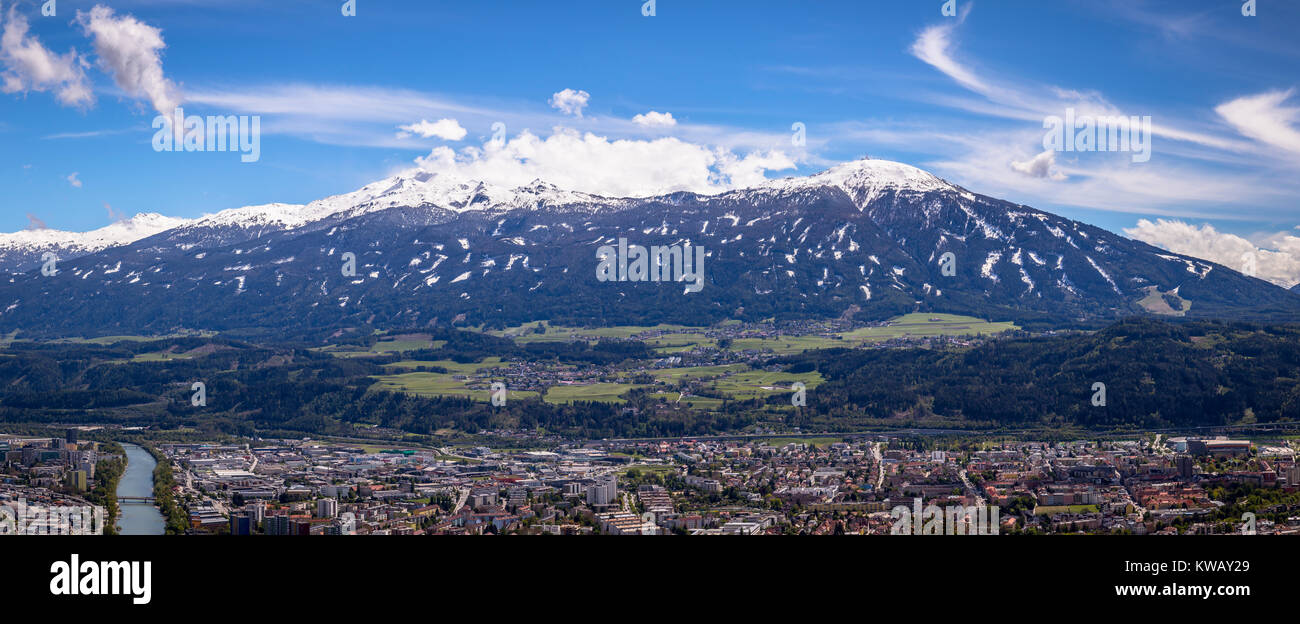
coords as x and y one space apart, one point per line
869 235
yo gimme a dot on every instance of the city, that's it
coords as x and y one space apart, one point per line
797 485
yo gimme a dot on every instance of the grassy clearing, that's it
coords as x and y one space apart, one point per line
107 340
693 402
1154 302
399 344
673 375
161 356
760 384
444 384
683 338
659 469
453 367
526 334
601 392
923 324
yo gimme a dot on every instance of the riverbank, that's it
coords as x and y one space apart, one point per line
108 473
177 520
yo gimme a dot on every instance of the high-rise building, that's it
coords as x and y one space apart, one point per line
257 511
277 525
345 524
71 435
327 508
603 492
1186 466
241 524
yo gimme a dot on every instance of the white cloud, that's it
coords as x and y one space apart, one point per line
30 66
1201 168
1031 102
1277 260
595 164
448 129
933 47
359 115
1263 117
654 119
130 50
1040 166
570 102
72 179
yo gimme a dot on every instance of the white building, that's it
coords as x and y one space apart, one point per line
603 492
327 508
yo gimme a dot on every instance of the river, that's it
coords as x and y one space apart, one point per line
138 518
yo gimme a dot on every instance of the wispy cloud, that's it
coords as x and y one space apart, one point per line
1201 168
934 46
356 115
90 134
1264 118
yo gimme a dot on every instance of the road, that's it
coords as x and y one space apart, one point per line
970 488
460 501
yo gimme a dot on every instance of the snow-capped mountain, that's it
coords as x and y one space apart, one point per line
421 197
871 238
416 189
22 250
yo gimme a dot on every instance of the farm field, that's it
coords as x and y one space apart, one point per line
722 382
399 344
681 338
601 392
453 367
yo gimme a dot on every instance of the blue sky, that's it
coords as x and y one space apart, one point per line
962 96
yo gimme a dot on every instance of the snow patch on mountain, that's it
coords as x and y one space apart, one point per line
866 180
123 232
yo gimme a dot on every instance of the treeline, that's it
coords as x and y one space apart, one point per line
107 473
1155 374
178 521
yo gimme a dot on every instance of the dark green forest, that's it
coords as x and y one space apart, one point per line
1157 374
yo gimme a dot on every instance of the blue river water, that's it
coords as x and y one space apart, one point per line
138 518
